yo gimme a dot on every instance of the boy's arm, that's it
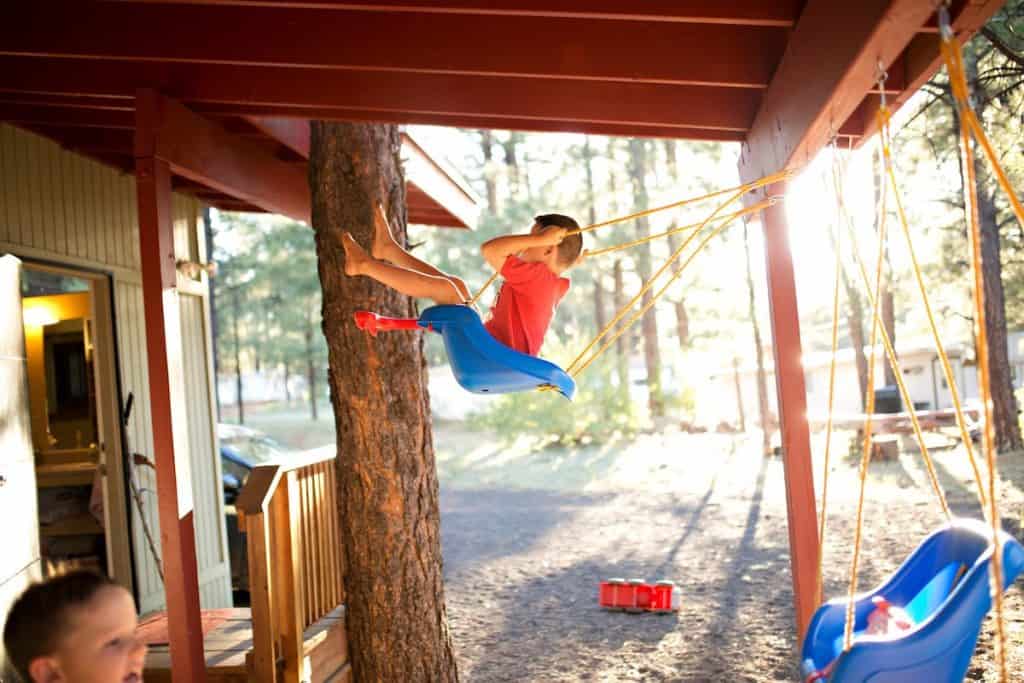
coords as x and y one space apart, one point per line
496 250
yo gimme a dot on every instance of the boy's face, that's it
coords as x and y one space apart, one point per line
100 645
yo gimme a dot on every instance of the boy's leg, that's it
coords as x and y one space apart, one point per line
387 248
440 289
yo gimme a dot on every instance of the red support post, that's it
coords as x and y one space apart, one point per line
792 395
168 410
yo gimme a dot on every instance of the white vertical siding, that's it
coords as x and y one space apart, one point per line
63 208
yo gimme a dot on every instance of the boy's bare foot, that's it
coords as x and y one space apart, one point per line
384 244
355 256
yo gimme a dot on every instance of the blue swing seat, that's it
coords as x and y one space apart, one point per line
484 365
944 586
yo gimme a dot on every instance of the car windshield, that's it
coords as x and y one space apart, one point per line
256 449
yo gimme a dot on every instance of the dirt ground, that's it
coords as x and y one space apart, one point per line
528 534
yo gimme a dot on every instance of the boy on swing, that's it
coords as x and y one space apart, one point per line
531 265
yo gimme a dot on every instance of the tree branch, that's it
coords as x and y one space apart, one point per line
1003 48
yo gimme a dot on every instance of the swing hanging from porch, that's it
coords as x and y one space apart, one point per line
481 364
949 583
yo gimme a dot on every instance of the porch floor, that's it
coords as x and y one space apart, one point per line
228 644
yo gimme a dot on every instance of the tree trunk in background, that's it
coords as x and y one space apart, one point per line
208 233
886 303
762 379
1004 405
508 147
889 322
682 324
649 321
739 394
682 318
238 357
622 346
588 158
855 323
311 373
387 481
287 392
487 144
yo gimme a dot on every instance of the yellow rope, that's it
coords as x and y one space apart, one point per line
654 298
672 231
947 369
890 352
741 189
870 409
831 403
953 58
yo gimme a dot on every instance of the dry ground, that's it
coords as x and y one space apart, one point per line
528 534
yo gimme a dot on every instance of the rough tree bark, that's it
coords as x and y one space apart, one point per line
1004 405
649 321
387 480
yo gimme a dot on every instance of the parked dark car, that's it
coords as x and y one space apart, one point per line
241 449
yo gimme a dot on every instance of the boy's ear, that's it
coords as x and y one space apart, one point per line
44 670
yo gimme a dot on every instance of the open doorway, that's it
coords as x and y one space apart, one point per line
74 408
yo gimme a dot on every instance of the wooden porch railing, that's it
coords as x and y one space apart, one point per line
289 513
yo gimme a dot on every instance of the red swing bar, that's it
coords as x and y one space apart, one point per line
372 323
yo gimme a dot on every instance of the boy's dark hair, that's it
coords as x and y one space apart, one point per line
570 248
38 619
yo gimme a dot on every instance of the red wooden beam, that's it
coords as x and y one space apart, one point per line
292 133
168 414
921 60
735 12
832 61
409 97
562 48
203 151
67 116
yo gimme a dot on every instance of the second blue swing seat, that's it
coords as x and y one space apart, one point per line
944 586
484 365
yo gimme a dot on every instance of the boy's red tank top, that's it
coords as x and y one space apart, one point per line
525 305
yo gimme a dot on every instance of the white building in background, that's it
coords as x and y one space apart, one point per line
718 399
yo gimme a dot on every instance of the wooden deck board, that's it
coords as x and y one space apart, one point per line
228 645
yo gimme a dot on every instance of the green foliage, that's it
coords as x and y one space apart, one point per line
599 411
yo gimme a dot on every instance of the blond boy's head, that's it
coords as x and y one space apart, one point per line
568 252
76 628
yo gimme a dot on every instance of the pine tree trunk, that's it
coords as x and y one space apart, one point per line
238 357
739 394
212 298
682 324
486 144
311 374
889 322
287 391
855 324
649 321
886 303
622 349
388 513
588 160
762 379
1004 405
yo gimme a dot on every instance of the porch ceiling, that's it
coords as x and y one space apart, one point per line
698 69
